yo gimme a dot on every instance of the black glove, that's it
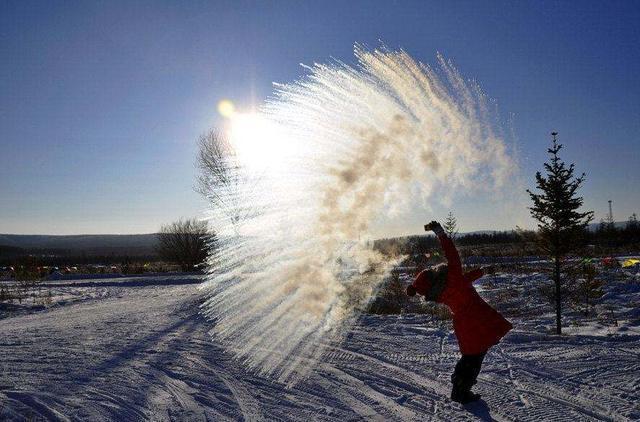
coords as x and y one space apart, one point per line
435 227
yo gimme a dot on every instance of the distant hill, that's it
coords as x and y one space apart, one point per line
618 225
103 244
592 227
120 244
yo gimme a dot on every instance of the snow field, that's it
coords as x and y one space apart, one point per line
143 352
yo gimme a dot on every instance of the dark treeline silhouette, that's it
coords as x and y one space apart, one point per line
426 243
48 258
605 239
612 236
474 239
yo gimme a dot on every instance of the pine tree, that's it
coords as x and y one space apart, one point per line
632 224
603 226
589 288
451 226
560 225
632 231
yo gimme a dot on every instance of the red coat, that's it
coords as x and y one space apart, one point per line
476 324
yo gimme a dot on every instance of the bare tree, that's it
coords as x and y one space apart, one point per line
223 180
220 176
185 242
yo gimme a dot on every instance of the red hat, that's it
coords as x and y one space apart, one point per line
421 285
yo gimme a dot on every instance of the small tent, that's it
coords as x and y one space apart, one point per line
630 263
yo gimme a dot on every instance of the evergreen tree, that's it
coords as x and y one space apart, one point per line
632 224
632 231
451 225
560 225
603 226
589 287
606 233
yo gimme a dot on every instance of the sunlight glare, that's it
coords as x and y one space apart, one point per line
257 140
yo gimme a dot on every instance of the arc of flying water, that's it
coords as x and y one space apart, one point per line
288 280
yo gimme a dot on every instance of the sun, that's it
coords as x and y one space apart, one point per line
226 108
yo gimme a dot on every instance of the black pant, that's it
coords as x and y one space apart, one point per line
466 372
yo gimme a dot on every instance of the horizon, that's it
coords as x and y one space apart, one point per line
459 233
103 103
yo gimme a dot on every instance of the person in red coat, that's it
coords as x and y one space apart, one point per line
477 325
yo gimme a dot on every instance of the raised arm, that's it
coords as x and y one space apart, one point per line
450 251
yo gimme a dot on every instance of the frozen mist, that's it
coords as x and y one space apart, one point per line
309 176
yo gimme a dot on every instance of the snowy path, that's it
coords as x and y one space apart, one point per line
144 353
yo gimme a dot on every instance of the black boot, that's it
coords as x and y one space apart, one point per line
464 397
461 392
464 377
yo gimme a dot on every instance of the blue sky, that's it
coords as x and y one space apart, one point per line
101 103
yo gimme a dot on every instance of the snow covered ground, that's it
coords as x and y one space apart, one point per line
132 349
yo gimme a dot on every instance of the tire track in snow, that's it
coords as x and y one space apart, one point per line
393 411
250 407
575 402
513 379
32 406
589 406
172 391
199 345
361 407
437 392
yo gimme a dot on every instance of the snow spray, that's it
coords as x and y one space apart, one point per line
322 163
